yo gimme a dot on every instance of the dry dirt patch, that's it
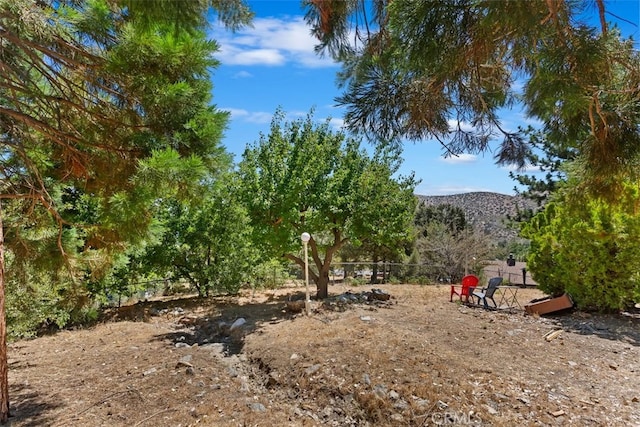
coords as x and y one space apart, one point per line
419 360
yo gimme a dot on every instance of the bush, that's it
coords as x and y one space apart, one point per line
588 248
355 281
269 275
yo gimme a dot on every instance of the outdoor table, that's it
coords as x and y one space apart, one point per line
509 297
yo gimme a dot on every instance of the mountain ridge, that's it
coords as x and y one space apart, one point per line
486 211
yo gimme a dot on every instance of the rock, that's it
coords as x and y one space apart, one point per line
394 395
185 361
366 379
380 390
491 410
422 404
401 405
501 396
312 369
294 356
379 295
182 345
257 407
238 323
190 370
216 347
397 417
365 318
327 411
149 372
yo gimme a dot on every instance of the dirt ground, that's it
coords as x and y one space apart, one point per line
414 360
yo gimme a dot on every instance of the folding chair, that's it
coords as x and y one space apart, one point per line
487 293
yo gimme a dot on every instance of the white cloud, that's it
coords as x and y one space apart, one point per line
337 124
233 55
270 42
259 117
526 169
460 158
242 75
453 125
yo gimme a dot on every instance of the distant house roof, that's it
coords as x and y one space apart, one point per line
513 274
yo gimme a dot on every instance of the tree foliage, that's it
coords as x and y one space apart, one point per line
104 106
452 217
414 67
303 177
205 241
588 248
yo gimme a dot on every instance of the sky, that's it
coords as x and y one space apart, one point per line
273 65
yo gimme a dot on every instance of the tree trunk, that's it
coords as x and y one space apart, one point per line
4 368
374 270
322 285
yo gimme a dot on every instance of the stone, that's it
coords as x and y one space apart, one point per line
257 407
149 372
312 369
380 390
366 379
239 322
491 410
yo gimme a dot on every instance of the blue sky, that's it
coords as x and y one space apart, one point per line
273 65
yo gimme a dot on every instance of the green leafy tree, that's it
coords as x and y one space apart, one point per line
93 95
411 68
303 177
588 248
452 217
206 242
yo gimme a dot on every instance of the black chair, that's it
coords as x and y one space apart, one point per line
487 293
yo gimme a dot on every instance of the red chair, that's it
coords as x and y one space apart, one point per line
466 287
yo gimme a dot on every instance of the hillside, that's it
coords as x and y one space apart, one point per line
486 211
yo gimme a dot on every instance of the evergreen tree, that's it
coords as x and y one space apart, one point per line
104 105
414 67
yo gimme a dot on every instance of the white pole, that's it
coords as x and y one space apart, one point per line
305 237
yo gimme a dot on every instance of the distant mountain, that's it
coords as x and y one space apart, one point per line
486 211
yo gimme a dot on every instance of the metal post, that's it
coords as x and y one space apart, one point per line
305 237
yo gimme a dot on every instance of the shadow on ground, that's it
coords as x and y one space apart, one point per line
29 408
224 321
615 327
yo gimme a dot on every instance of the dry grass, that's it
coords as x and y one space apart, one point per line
422 361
